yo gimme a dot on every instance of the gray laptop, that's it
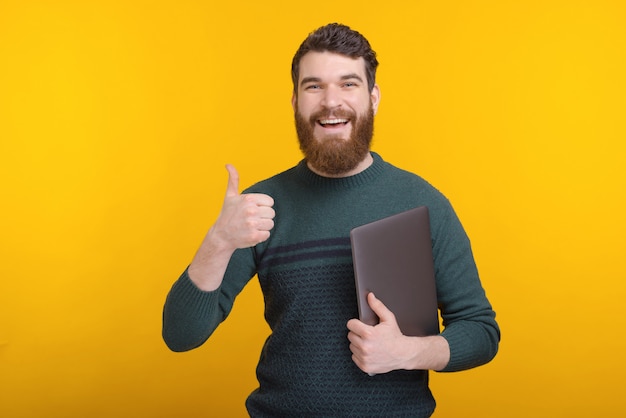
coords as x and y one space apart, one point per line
393 258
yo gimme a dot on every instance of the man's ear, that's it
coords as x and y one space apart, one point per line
294 101
375 97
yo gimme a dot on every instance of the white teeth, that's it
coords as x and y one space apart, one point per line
333 121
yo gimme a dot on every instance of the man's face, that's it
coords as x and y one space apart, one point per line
334 111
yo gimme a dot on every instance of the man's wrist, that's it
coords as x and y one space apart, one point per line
430 353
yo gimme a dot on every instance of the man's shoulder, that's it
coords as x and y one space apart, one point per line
405 178
277 181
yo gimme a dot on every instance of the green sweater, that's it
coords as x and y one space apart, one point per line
305 272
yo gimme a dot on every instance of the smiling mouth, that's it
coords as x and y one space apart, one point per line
330 123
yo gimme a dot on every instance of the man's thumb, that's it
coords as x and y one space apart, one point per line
379 308
233 181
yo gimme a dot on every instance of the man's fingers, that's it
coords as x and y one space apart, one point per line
233 181
266 211
357 327
259 199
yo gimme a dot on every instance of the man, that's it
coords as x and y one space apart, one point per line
292 230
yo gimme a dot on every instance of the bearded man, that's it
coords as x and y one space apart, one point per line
292 231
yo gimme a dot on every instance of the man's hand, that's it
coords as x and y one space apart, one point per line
245 219
379 348
383 348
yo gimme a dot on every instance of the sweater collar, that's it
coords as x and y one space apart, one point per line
365 176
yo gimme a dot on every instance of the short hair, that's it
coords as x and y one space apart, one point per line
339 39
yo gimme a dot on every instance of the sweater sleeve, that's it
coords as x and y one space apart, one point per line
468 318
191 315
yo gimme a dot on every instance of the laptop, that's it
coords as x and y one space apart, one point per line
393 258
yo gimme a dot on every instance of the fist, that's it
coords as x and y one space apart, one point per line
246 219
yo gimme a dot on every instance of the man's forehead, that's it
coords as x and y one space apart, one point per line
330 64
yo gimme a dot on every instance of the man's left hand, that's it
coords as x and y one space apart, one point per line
382 347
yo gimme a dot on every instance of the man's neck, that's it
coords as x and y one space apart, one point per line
362 166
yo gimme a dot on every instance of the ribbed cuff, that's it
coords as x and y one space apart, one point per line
197 302
466 351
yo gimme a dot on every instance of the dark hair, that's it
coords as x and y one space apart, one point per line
339 39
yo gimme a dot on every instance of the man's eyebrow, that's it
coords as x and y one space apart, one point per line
350 76
310 80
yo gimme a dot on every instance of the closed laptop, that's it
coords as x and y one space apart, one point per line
393 258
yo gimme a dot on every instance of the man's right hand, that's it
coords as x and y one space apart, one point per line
245 221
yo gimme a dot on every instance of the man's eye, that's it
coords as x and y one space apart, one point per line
312 87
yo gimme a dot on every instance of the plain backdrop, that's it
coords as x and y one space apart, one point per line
116 121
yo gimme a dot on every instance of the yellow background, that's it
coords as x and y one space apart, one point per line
116 120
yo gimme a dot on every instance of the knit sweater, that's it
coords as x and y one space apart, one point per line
306 275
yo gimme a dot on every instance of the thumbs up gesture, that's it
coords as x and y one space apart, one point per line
245 219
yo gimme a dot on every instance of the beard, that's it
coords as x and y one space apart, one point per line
333 155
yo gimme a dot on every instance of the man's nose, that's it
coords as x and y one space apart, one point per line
332 97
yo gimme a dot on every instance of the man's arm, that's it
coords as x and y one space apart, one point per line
200 299
471 335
